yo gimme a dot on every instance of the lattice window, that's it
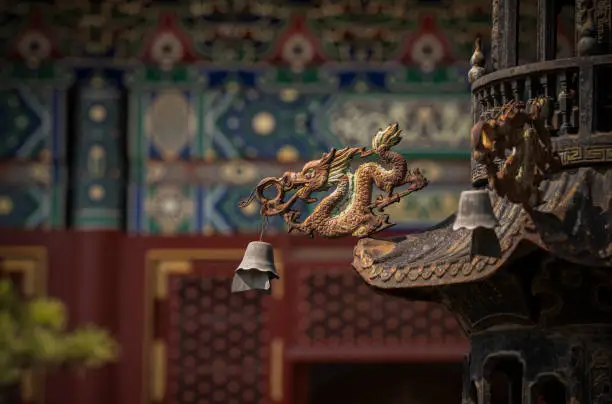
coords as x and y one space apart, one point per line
336 306
217 345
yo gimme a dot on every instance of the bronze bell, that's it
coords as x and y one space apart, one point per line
256 270
476 214
475 211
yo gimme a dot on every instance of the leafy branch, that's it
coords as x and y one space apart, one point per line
33 335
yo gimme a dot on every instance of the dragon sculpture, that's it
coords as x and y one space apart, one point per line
348 209
519 128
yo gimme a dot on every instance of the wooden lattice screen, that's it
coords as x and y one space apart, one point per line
336 306
217 344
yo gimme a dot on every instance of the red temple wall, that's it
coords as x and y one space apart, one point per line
185 338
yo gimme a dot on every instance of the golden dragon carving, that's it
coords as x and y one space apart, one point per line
348 209
518 128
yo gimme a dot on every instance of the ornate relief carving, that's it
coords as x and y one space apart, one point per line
349 208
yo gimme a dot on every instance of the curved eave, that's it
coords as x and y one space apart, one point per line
575 224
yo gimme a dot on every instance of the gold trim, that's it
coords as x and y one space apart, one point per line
164 270
158 371
159 264
28 269
276 369
31 262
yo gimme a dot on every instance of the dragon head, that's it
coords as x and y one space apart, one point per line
316 175
313 177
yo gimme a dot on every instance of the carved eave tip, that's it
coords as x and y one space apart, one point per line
367 252
477 61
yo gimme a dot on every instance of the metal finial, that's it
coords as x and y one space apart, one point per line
477 61
587 43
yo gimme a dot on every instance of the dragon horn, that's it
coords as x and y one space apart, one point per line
327 157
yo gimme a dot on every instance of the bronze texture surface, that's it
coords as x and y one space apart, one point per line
348 209
517 128
573 223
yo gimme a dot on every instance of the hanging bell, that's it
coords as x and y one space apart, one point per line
475 211
476 214
256 270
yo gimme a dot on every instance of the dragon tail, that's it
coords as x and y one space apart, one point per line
387 138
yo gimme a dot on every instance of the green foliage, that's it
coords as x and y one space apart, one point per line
33 335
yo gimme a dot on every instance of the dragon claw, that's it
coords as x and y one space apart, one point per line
383 203
291 216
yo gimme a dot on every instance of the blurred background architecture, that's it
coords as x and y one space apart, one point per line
129 130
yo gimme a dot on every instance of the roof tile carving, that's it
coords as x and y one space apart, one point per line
575 223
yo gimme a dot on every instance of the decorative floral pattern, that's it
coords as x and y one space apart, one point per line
269 82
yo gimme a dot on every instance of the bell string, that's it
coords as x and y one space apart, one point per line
264 226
